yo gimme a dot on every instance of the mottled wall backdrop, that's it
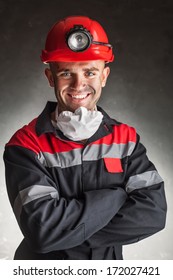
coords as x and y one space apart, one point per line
139 90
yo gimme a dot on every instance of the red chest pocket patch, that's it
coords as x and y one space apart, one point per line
113 165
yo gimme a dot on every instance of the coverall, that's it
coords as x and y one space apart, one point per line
75 200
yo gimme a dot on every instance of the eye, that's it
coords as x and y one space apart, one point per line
65 74
90 74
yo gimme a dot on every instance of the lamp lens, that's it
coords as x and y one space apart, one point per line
78 41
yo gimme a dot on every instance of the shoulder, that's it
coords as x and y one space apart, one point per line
25 137
122 132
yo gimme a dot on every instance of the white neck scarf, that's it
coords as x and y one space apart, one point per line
80 125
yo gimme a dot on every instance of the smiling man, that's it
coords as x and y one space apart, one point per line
78 88
80 183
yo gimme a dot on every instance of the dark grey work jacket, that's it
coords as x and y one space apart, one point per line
81 201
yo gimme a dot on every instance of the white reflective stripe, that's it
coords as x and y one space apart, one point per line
90 152
63 159
143 180
96 152
30 194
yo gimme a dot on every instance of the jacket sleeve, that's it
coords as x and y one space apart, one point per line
144 212
48 221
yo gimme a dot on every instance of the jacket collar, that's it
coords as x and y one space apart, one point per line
44 124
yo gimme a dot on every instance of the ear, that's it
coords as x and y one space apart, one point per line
106 72
49 76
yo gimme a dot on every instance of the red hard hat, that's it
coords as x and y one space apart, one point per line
77 38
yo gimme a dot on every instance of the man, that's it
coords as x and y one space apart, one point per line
80 183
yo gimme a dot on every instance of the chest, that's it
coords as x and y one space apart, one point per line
78 168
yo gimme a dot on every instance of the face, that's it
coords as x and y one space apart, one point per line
77 84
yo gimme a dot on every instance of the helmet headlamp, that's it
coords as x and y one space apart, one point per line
79 39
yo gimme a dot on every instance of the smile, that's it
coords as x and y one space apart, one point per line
80 96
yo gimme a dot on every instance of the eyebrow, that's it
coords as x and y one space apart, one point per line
84 69
90 69
62 70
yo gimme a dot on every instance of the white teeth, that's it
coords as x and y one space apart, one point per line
79 96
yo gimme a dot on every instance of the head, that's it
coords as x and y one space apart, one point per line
77 51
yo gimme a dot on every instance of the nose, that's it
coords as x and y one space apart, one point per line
78 83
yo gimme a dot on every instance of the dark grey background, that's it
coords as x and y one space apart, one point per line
139 90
